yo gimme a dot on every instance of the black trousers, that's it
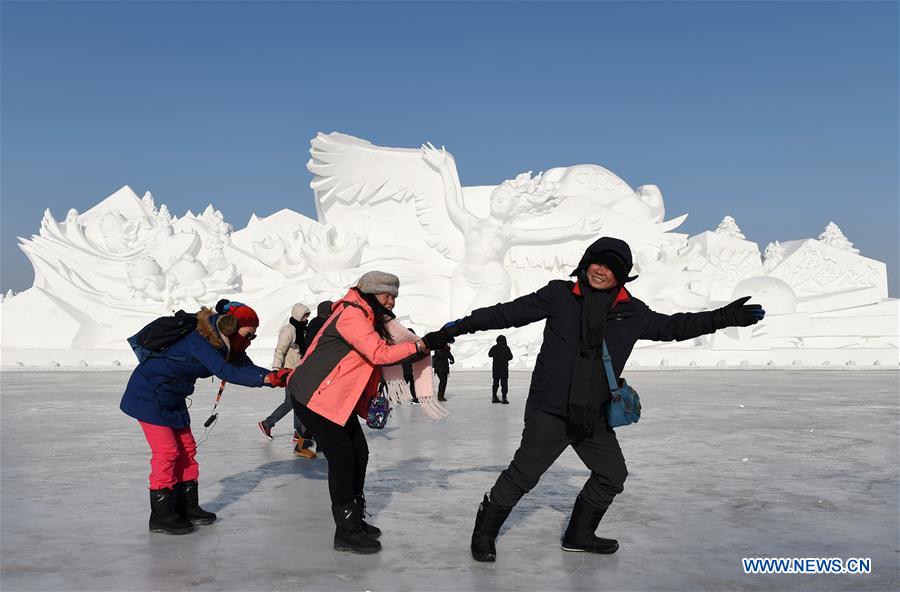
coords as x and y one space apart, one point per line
544 438
442 385
503 382
345 449
412 386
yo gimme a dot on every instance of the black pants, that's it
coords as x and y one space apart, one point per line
345 449
442 385
544 438
503 382
412 386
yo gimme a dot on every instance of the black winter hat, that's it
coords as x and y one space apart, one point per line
324 308
611 252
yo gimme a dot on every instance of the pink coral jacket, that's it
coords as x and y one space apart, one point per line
340 374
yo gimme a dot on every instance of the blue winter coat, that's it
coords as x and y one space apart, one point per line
158 387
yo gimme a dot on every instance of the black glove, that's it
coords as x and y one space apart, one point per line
437 339
737 314
457 328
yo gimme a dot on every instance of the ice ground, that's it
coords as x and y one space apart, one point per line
820 480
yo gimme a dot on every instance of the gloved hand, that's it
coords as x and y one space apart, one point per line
278 378
457 328
738 314
437 339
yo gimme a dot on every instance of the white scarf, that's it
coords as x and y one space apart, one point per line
398 390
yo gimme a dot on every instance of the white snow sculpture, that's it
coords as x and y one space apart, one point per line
773 294
728 227
103 274
772 256
476 229
729 256
833 237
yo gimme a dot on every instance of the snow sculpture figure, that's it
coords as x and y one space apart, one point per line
481 277
479 234
101 275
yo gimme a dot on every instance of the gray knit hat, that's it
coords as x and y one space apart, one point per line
379 282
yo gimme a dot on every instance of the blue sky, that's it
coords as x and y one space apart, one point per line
783 115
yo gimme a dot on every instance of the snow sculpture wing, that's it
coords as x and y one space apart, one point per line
354 173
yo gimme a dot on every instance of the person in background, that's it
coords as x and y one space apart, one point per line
291 348
440 361
408 377
156 397
323 311
500 355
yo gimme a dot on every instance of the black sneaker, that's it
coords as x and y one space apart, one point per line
266 430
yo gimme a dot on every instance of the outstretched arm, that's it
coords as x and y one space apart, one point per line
687 325
586 228
517 313
442 162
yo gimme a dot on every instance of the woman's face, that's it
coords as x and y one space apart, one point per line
386 300
501 203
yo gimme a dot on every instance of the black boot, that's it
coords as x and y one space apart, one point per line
373 532
349 534
188 506
164 517
494 398
488 521
504 401
579 535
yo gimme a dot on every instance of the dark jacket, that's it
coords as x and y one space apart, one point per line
500 355
323 311
158 387
559 302
441 360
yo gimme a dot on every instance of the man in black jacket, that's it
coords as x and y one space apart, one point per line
569 391
500 355
440 362
323 311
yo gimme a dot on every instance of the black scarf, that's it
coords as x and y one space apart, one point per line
589 390
299 334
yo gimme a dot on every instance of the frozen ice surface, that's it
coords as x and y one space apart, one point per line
75 502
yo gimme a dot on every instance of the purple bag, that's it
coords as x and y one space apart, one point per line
379 409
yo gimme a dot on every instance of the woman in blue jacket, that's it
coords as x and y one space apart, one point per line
156 396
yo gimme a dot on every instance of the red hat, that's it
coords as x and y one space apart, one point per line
246 316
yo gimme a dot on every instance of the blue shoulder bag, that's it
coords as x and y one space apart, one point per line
624 404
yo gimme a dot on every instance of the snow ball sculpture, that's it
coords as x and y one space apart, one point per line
775 295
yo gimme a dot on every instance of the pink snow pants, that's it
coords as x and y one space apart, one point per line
173 455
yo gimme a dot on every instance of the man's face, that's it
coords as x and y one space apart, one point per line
386 300
600 277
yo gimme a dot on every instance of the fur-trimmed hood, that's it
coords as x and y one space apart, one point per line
208 322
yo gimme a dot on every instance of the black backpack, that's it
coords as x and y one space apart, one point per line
154 339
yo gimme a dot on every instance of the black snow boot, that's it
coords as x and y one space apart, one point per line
188 505
373 532
488 521
579 535
164 517
349 534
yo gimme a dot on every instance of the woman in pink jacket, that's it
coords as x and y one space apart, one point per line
335 382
